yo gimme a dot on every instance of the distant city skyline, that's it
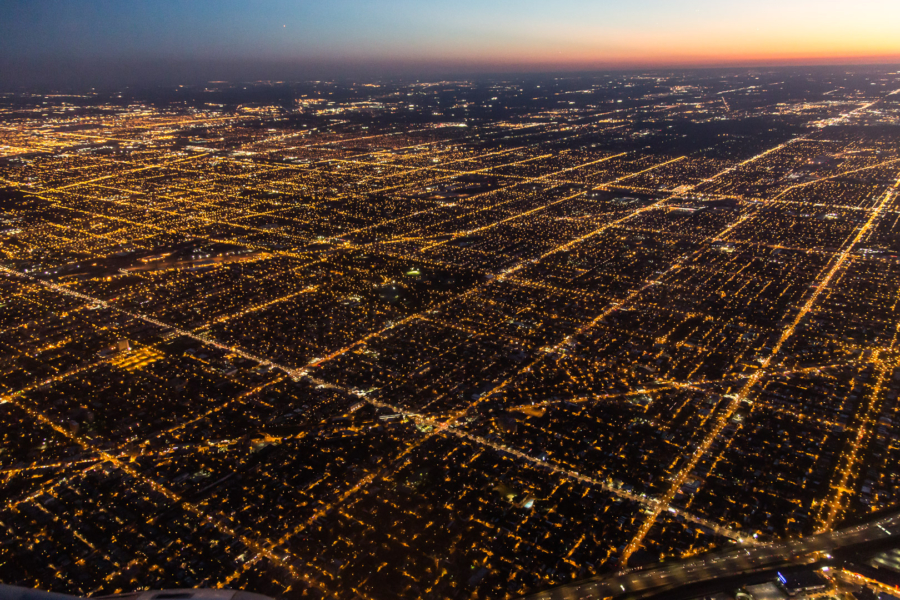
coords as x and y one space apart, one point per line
164 40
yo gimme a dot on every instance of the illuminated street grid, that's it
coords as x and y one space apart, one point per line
443 340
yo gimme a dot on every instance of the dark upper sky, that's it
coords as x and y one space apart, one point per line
81 41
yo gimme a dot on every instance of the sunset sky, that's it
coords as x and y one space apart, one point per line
209 37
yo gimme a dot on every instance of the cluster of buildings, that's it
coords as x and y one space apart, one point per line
341 346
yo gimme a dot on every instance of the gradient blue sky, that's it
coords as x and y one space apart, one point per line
478 34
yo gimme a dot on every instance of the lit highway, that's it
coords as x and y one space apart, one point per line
635 583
